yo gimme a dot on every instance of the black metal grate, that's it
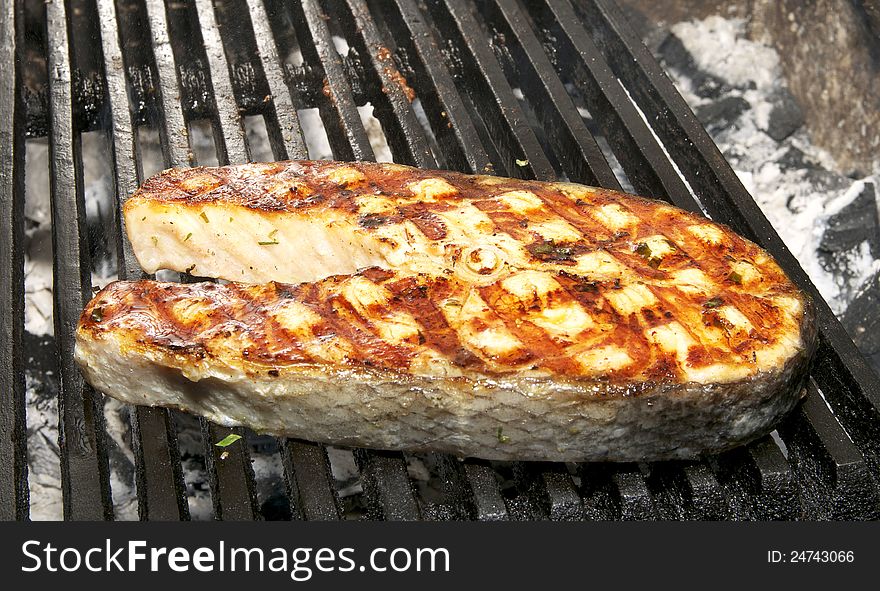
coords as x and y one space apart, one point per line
116 66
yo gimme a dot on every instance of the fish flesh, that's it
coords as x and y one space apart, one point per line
383 306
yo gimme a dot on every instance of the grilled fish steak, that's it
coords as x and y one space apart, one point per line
435 311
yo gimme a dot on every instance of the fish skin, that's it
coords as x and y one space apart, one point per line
436 311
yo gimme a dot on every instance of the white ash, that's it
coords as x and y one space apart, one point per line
345 471
317 143
44 465
796 194
375 134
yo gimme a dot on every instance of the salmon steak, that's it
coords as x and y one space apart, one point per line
389 307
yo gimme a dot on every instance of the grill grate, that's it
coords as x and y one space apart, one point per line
119 66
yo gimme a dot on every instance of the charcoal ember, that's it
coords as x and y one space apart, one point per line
853 225
793 159
719 115
850 242
786 115
826 181
676 57
862 321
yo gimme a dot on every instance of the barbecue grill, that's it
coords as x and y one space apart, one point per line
527 88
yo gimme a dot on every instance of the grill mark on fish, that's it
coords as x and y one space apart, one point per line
419 301
344 320
287 348
425 220
537 344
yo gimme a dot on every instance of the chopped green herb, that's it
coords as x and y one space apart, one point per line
267 242
550 251
204 217
98 314
155 240
735 277
713 303
230 219
522 162
188 236
502 438
272 234
228 440
643 250
143 218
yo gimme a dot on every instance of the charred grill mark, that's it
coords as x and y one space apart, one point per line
419 301
664 368
425 220
566 209
273 344
376 274
343 320
537 343
588 293
628 336
374 220
504 221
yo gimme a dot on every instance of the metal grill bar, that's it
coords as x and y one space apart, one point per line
387 486
172 126
229 135
230 474
84 469
645 164
309 482
555 492
158 475
457 138
703 491
346 133
574 146
289 142
13 438
775 496
487 86
632 494
386 89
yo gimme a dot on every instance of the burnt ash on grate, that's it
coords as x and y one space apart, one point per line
557 92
